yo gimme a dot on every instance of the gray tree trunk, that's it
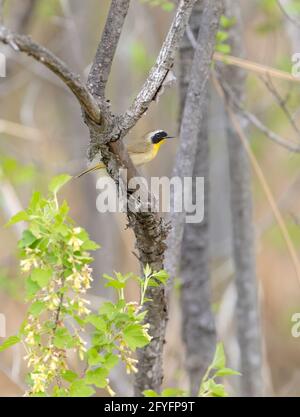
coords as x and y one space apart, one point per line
194 108
198 328
248 330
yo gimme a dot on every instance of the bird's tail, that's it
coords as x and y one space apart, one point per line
95 168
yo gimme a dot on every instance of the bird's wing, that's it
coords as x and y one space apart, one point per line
137 145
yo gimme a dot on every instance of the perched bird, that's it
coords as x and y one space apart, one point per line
141 150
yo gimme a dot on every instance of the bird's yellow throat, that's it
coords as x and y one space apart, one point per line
156 147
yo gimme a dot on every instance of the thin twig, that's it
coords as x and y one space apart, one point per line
262 180
255 67
20 131
281 102
57 66
292 147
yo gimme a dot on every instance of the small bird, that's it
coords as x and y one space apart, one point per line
141 150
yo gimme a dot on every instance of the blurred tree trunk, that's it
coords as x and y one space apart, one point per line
194 108
243 231
198 329
22 15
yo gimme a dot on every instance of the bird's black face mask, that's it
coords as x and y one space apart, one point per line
159 136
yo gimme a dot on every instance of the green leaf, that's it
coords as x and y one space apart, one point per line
135 336
223 48
219 361
60 392
108 309
90 245
12 340
110 361
167 6
222 36
226 22
162 276
35 199
173 392
97 377
115 284
217 390
39 395
63 339
19 217
41 276
27 239
93 357
31 288
69 376
37 308
150 393
153 283
64 209
58 182
227 372
79 388
97 321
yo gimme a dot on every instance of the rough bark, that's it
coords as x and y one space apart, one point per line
198 327
149 229
106 131
243 231
101 67
194 108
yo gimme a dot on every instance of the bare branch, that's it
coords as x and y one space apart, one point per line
101 66
290 146
254 67
282 102
57 66
159 72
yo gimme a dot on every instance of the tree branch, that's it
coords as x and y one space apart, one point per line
149 229
101 66
159 71
273 136
282 102
57 66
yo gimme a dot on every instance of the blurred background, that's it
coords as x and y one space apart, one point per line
42 134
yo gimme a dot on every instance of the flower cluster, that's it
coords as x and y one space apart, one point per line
55 258
56 262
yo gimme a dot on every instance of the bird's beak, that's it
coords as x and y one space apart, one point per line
170 137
